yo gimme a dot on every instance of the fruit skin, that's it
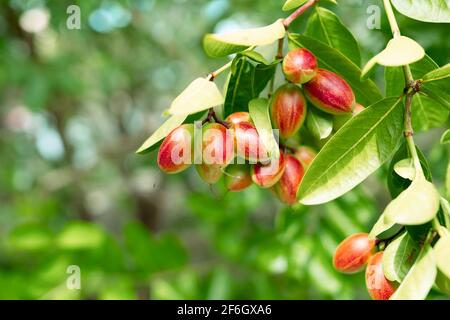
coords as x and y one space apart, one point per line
330 93
248 144
176 151
305 155
352 253
300 65
378 286
217 151
237 117
266 175
237 177
288 110
339 121
287 187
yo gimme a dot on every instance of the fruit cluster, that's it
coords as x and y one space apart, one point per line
237 138
354 253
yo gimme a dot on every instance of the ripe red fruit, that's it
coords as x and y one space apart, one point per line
287 187
300 65
176 151
330 93
352 254
266 175
288 110
237 117
248 144
305 155
378 286
217 151
237 177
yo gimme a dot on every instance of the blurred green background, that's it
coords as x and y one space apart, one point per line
74 107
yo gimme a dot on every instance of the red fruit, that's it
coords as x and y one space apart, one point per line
330 93
266 175
248 144
300 66
237 177
378 286
176 151
288 110
287 187
352 254
306 155
217 151
237 117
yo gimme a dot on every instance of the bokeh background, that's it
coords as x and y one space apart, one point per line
74 107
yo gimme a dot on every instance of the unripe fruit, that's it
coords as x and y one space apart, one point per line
237 117
266 175
305 155
176 151
330 93
217 151
353 253
378 286
248 144
288 110
237 177
286 189
300 65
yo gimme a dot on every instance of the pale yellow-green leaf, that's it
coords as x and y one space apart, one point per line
416 205
162 131
200 95
399 256
383 229
442 252
420 278
293 4
399 51
405 169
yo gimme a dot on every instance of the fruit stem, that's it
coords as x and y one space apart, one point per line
214 74
297 13
287 148
212 116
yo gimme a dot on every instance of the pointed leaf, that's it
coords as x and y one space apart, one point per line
420 278
359 148
383 230
325 26
416 205
219 45
424 10
366 91
293 4
442 252
399 51
445 138
438 74
320 125
399 257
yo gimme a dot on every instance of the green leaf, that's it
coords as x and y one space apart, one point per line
445 138
405 169
80 235
416 205
424 10
293 4
162 132
219 45
366 91
442 250
259 112
383 229
319 124
200 95
399 256
359 148
246 82
420 278
30 237
255 56
325 26
438 74
399 51
426 113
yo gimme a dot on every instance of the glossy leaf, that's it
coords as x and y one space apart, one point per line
399 51
420 278
442 252
359 148
399 257
325 26
293 4
424 10
445 138
438 74
259 112
384 230
219 45
160 133
366 91
320 125
416 205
